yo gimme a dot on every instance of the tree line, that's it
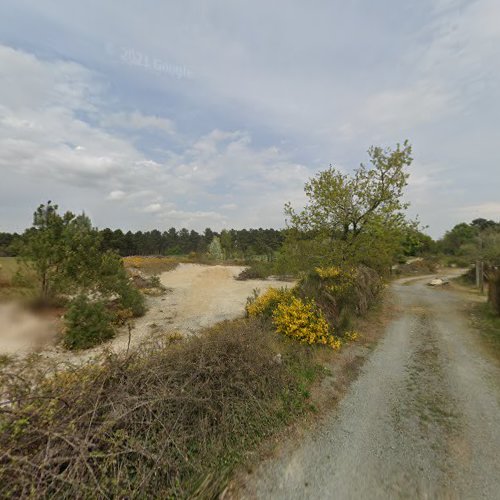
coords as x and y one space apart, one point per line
235 243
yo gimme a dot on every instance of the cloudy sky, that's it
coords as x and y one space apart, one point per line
213 113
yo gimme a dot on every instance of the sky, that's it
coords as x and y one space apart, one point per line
202 113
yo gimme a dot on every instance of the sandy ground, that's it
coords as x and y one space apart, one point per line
421 421
199 296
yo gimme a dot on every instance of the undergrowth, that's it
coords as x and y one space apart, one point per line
488 323
169 420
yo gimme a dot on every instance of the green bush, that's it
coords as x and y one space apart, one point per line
341 292
88 323
131 298
258 270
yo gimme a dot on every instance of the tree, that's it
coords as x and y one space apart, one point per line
226 243
454 239
215 250
356 218
44 248
66 254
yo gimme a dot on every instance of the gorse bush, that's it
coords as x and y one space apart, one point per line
88 323
265 304
341 293
291 316
304 322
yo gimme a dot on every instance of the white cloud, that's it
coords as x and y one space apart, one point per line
137 120
152 208
50 142
294 76
117 195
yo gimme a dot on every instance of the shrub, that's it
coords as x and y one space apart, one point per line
132 299
258 270
88 323
169 420
341 292
264 305
303 321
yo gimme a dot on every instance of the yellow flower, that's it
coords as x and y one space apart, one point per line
264 304
304 322
352 336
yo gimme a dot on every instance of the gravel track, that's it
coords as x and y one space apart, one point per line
421 421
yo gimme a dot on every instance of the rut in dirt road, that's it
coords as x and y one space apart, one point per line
421 421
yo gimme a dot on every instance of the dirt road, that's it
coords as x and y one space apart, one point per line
421 421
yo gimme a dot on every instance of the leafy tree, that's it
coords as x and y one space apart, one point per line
416 242
66 255
215 250
356 218
461 234
44 248
226 243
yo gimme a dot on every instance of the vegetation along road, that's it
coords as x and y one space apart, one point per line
421 421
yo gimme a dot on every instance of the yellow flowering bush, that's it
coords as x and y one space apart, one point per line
337 280
328 272
264 305
303 321
351 335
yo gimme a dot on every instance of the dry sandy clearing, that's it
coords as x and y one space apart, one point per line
199 296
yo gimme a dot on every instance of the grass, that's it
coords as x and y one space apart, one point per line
8 269
170 420
152 265
488 324
10 288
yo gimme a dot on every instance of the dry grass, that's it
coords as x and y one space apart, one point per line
10 287
8 268
151 265
168 420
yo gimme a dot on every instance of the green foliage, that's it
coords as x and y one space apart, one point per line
66 254
479 240
453 240
226 242
354 218
258 270
63 251
340 292
215 249
88 323
416 243
131 299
